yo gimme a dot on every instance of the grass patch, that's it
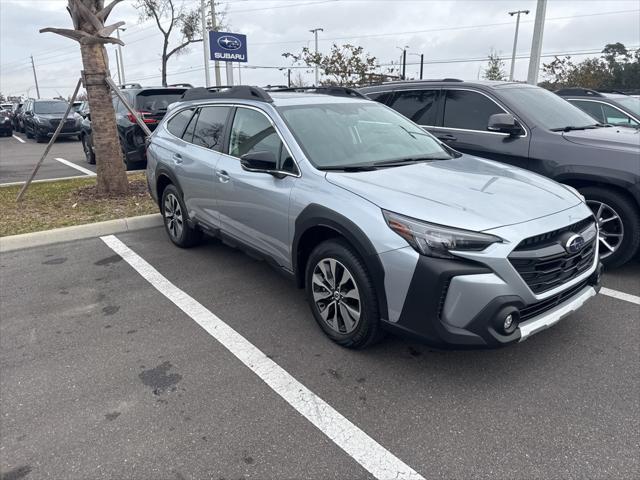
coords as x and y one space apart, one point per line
49 205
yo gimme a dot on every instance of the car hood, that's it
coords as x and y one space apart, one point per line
466 192
615 138
55 116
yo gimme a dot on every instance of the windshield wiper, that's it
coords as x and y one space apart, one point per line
348 168
413 133
570 128
408 160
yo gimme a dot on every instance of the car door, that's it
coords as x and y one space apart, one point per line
199 139
463 122
254 206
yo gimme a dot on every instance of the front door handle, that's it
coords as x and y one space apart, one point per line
223 176
447 137
177 158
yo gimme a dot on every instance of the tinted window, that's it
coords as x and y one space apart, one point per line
50 107
469 110
616 117
592 108
209 127
157 101
179 121
382 97
187 136
252 132
417 105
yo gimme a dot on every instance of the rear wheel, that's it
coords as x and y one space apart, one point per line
341 295
176 219
619 222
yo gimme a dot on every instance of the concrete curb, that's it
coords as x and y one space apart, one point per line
78 232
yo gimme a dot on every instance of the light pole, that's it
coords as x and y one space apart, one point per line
536 43
315 33
121 57
403 60
205 44
515 40
421 55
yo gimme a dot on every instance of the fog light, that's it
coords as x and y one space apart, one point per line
508 322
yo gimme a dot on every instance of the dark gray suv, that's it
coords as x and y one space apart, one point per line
530 127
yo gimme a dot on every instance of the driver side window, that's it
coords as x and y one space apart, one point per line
253 132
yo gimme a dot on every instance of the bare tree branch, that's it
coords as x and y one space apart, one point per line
104 13
66 32
180 47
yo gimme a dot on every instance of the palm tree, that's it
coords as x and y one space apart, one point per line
89 30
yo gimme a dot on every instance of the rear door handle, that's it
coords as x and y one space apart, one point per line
177 158
447 137
223 176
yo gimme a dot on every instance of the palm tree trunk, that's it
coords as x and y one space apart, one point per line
112 177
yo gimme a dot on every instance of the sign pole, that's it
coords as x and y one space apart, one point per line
205 45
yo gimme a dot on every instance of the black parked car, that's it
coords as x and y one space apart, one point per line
533 128
151 103
6 126
42 117
610 108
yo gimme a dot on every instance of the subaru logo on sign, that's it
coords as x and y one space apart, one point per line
228 47
229 43
574 243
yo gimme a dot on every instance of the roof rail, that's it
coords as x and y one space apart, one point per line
129 85
426 80
185 85
579 92
328 90
243 92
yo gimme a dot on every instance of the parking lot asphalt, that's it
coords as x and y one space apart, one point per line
102 376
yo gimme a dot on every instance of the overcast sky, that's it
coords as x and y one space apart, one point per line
443 30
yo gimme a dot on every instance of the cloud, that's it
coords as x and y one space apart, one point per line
435 28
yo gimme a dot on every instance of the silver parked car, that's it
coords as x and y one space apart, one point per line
384 226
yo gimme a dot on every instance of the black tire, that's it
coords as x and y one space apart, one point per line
630 219
89 154
40 139
27 132
367 329
180 233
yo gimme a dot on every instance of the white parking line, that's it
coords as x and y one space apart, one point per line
77 167
18 138
381 463
627 297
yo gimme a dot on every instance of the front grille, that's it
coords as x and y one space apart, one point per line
68 124
544 265
545 305
545 239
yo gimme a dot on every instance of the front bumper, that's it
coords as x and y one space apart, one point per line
464 302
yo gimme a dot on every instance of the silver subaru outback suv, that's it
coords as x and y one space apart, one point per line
385 227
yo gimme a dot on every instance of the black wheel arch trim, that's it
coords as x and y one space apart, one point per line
164 171
630 184
315 215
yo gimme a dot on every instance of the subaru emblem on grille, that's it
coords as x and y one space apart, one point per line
574 243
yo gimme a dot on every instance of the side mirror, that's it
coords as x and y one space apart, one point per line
263 161
29 113
87 115
504 123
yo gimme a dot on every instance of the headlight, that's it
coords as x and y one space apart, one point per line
437 240
40 121
574 191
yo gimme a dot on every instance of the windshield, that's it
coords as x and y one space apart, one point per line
633 104
157 101
50 107
545 108
339 135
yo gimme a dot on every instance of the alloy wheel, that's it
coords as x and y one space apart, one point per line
173 216
336 295
611 228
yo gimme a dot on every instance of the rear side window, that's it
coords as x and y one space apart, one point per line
468 110
417 105
382 97
614 116
178 122
209 127
592 108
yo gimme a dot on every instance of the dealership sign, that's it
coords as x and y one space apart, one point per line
228 47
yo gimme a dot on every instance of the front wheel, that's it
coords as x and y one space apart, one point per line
88 151
619 222
176 219
341 295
